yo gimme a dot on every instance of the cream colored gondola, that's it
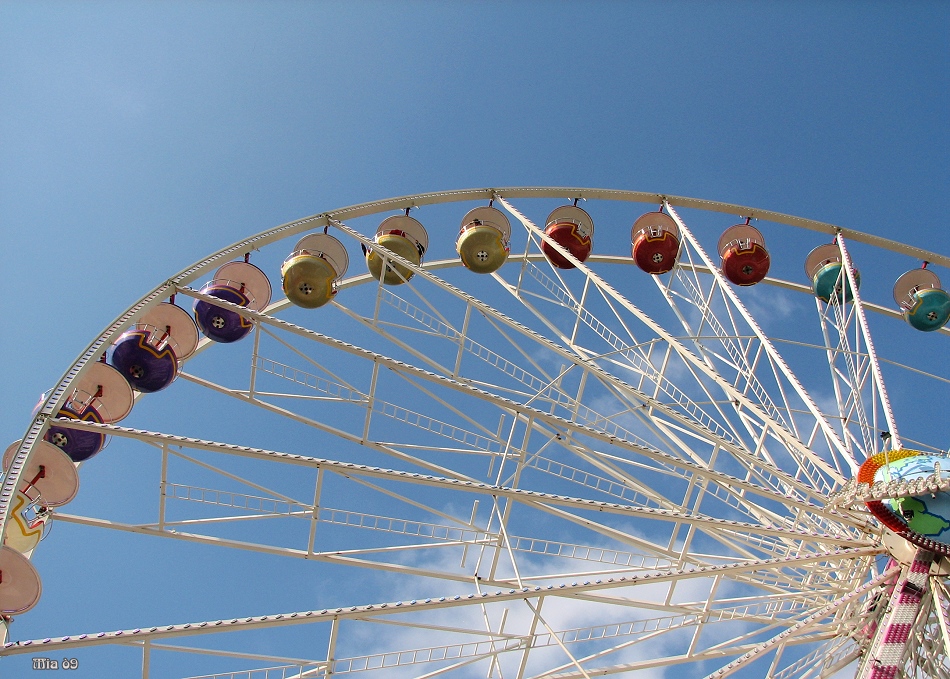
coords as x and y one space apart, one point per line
655 242
309 275
482 242
745 260
573 229
924 303
829 281
20 586
402 235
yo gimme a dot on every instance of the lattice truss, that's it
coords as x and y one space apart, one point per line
552 478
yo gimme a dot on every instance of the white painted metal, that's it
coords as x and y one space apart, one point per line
662 488
874 365
767 345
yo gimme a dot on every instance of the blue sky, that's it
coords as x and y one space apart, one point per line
136 138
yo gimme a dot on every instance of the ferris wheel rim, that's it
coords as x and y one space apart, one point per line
322 219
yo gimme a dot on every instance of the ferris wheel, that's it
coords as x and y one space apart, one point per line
505 444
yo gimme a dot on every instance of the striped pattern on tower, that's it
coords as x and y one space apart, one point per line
889 647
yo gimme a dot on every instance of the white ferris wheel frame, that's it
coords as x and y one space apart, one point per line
842 547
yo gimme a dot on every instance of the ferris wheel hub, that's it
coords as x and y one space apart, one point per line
918 514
